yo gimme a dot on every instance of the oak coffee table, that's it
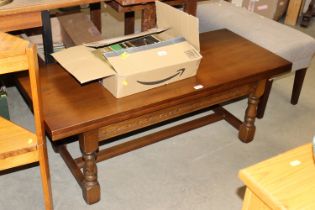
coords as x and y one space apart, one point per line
232 67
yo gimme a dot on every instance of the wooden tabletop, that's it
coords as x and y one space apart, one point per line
133 2
228 60
24 6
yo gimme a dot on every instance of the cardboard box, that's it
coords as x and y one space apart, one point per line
136 69
273 9
77 29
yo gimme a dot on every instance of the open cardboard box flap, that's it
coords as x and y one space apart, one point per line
178 22
85 66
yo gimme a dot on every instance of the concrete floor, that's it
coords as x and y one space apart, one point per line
193 171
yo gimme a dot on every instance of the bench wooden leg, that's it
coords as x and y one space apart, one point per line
247 128
90 186
297 86
264 99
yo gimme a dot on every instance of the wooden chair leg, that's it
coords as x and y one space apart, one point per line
263 100
45 175
297 86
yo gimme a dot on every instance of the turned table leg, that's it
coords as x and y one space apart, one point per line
90 186
247 128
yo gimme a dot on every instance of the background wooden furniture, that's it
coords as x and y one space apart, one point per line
293 12
147 8
19 146
286 181
90 111
25 14
306 19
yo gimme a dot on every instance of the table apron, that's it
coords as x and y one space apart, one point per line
20 21
190 106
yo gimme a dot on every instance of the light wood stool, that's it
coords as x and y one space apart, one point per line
19 146
286 181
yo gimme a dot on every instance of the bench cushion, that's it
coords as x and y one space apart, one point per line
278 38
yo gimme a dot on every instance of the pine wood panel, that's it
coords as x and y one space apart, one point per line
293 12
285 181
19 160
15 140
20 21
31 53
26 6
11 46
13 64
252 202
12 54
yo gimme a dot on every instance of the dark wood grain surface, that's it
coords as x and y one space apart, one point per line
228 61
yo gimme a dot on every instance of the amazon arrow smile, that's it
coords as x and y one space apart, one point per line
179 73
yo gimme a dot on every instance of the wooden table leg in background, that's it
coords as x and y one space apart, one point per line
90 186
191 7
95 14
247 128
308 14
129 22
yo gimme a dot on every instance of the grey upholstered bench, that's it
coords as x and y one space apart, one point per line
280 39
